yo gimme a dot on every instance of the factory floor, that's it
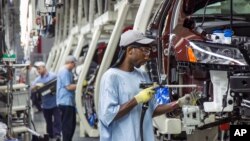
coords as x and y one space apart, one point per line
39 123
40 127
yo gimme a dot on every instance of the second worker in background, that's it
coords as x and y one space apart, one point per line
66 98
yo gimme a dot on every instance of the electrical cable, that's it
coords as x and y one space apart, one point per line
231 14
203 17
144 109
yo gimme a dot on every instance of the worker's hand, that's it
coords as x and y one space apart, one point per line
189 99
39 85
36 87
195 95
185 100
84 83
145 95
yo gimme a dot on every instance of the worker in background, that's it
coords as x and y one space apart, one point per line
50 110
32 73
120 101
66 97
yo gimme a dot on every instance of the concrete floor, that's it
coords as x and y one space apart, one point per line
40 127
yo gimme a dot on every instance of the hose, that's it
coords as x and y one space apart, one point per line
144 109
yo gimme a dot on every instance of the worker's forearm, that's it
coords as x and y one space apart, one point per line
162 109
71 87
125 108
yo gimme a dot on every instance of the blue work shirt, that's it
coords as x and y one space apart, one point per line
63 96
49 100
118 87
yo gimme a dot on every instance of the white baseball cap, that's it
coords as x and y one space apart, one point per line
39 64
134 36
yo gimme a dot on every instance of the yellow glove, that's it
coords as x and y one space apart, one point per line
195 95
84 83
145 95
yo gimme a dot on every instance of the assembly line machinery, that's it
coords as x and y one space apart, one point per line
86 33
16 110
90 29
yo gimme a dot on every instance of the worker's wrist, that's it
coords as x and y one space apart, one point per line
137 99
175 104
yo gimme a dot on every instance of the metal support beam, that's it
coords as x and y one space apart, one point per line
100 6
79 46
92 48
143 15
66 19
109 53
57 26
107 6
66 52
92 5
79 14
60 25
56 63
86 9
71 14
105 18
53 64
50 58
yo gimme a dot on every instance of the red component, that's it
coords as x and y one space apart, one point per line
224 127
39 45
38 20
127 28
100 51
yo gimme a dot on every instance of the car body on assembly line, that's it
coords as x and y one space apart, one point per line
204 44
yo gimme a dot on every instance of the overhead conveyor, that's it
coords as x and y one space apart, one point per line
110 50
101 29
92 132
103 26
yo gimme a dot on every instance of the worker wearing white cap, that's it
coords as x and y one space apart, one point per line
120 101
50 110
